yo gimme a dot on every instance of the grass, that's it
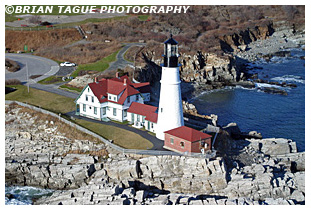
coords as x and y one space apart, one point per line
46 100
70 88
100 65
11 18
51 80
143 17
121 137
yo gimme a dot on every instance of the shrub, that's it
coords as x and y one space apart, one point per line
12 82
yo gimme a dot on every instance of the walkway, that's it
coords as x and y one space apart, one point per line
121 62
157 144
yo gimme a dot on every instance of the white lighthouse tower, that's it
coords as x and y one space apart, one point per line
170 112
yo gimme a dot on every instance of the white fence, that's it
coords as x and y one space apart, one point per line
110 144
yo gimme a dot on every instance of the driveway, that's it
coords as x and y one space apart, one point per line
36 66
121 63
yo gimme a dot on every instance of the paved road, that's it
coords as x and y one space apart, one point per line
36 66
121 63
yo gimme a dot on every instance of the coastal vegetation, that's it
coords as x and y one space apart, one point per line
100 65
43 99
204 28
121 137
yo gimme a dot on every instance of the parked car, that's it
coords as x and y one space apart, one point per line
67 64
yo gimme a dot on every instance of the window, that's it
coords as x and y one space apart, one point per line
128 99
137 97
182 144
138 118
114 112
86 98
161 109
151 125
95 110
109 97
84 107
88 89
172 140
92 99
114 98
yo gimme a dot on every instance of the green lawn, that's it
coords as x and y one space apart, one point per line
100 65
46 100
51 80
143 17
121 137
70 88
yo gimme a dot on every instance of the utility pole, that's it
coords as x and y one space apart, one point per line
27 77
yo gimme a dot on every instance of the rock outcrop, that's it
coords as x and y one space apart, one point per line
84 173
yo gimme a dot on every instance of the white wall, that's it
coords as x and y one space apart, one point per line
170 113
152 126
89 104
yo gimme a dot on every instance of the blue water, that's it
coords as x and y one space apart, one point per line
24 195
270 114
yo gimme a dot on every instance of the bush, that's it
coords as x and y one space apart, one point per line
12 82
11 65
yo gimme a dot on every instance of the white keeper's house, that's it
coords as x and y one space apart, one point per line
110 99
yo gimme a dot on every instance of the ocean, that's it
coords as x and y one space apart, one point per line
24 195
272 115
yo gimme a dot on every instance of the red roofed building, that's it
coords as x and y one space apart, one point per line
111 98
143 115
185 139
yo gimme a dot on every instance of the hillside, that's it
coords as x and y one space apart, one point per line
204 28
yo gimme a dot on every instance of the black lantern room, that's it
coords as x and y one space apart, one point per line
170 53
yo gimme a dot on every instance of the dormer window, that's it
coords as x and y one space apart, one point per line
115 98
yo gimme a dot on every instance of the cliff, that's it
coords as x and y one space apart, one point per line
84 173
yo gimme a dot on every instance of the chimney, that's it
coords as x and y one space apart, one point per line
124 81
95 79
117 74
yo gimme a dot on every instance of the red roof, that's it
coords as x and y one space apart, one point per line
145 110
188 134
116 86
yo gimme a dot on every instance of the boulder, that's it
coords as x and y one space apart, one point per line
233 129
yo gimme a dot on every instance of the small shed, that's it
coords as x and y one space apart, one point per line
185 139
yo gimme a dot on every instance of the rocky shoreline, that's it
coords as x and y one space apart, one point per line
252 171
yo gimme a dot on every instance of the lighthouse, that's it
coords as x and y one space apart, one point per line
170 112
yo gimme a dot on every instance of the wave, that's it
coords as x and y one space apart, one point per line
23 195
289 78
266 85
